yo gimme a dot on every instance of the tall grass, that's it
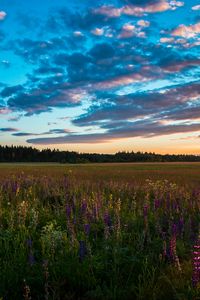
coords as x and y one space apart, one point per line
65 238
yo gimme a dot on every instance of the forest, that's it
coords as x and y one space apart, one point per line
29 154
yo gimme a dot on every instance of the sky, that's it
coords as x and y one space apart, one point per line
100 76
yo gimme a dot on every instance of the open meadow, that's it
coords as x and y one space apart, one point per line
100 231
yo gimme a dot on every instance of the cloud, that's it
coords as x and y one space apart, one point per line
187 31
122 80
2 15
102 51
66 75
43 99
98 31
85 20
143 23
71 139
23 134
5 63
167 40
78 34
108 11
9 91
52 131
58 131
145 129
8 129
176 63
196 7
152 104
137 10
129 30
69 78
4 111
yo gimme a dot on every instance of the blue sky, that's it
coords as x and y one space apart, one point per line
100 76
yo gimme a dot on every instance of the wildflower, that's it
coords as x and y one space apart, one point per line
31 258
87 229
82 250
173 254
107 219
27 292
156 204
29 243
174 229
196 265
68 211
84 207
145 210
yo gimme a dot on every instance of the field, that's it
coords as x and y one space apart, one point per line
102 231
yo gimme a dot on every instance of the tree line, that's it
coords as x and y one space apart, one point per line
29 154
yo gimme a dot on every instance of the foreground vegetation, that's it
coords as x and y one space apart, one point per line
100 232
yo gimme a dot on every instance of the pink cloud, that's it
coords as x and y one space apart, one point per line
2 15
121 81
133 10
181 65
196 7
187 31
143 23
4 111
98 31
128 30
166 40
109 11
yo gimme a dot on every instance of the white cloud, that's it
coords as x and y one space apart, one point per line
2 15
196 7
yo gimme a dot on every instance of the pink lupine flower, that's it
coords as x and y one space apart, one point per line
196 265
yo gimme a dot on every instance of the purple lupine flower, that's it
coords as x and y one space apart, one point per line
31 259
68 211
87 229
107 219
82 250
156 204
15 187
94 212
84 207
145 210
174 229
29 243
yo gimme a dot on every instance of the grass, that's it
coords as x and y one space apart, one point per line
102 231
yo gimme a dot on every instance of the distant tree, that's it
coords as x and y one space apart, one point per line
29 154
